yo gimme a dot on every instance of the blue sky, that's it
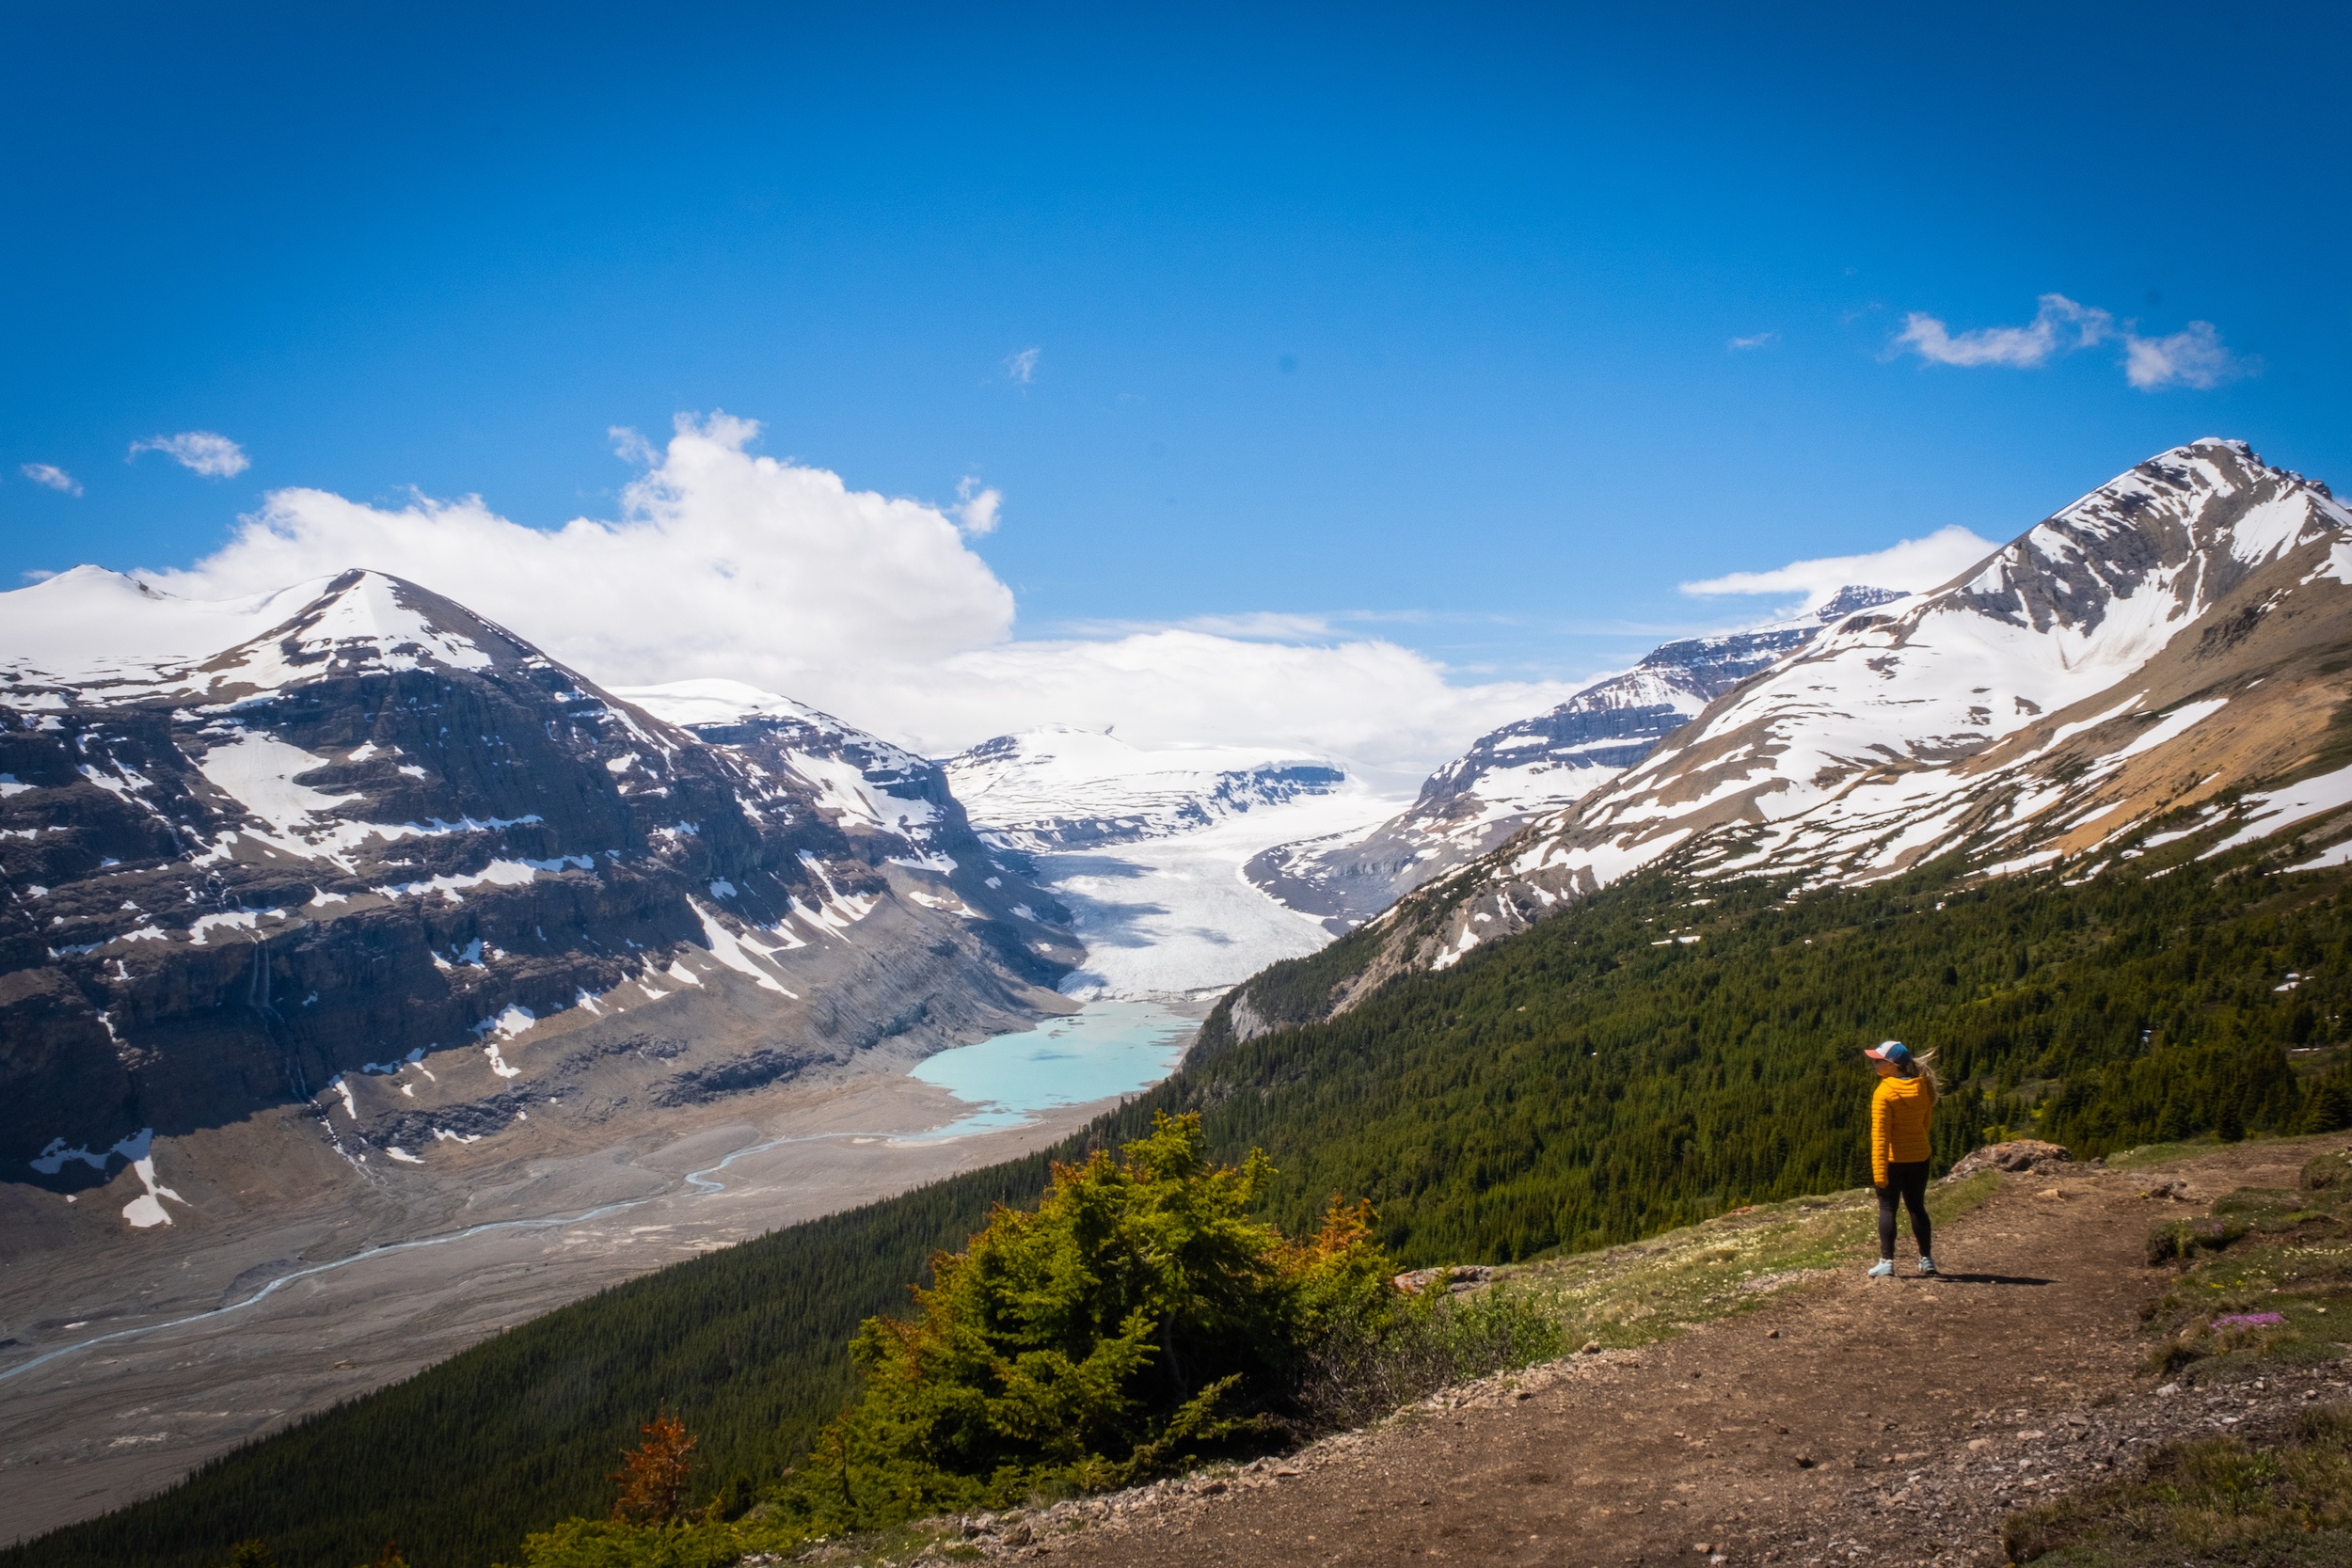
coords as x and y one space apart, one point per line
1417 320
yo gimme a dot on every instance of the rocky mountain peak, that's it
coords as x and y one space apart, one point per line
287 849
1513 774
2172 636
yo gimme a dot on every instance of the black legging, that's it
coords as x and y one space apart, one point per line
1908 1182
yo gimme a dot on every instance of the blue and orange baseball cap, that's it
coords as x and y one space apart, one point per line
1893 1052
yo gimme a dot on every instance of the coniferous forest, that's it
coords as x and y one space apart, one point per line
1597 1078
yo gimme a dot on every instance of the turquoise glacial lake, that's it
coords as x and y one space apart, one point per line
1105 1049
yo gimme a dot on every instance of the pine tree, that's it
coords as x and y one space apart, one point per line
653 1475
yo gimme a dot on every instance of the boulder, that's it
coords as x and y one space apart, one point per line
1459 1277
2018 1154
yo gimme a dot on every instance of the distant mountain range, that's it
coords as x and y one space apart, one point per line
1527 767
351 844
350 847
2163 660
1062 788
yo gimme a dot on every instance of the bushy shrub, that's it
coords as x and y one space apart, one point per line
1137 1321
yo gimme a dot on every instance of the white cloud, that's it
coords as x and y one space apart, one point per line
2058 327
726 563
203 451
1761 339
2193 357
1021 369
1280 626
52 476
1910 566
975 507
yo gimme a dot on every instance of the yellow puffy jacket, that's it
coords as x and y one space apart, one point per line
1898 1124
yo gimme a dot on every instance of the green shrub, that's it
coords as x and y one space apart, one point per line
1135 1321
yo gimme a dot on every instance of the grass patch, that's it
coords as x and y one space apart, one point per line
2162 1154
1646 1291
2265 1279
2286 1503
2187 1149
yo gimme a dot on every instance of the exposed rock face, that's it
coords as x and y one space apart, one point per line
1526 769
368 835
2032 1155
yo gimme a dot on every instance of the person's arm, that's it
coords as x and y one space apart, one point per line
1882 1138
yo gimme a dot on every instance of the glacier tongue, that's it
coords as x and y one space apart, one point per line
1063 788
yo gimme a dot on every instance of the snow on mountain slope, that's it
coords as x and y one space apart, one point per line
2178 634
866 781
1059 789
897 803
1527 767
290 847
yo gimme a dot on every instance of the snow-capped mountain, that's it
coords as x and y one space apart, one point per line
350 844
900 807
2161 660
1059 789
1533 766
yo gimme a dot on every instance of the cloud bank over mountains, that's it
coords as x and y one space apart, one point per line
1910 565
724 563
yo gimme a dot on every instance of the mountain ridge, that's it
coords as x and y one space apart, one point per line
1528 766
374 851
2043 705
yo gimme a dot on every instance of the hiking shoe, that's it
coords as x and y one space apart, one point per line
1882 1268
1927 1266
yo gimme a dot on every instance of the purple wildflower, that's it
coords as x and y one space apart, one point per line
2248 1320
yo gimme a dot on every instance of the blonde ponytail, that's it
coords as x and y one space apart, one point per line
1924 1061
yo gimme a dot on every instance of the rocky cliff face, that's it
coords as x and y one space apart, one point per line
1527 768
352 845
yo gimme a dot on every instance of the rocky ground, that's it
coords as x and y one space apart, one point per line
119 1371
1845 1420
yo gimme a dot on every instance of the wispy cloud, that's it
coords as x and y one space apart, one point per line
1909 566
2193 356
2058 327
52 476
204 451
975 507
1021 369
1761 339
1263 624
2190 358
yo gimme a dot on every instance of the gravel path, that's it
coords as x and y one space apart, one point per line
1845 1421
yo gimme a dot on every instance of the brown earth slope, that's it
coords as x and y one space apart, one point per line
1852 1420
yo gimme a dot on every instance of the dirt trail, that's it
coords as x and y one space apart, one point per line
1852 1420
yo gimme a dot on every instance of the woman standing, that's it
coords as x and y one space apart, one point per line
1900 1109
